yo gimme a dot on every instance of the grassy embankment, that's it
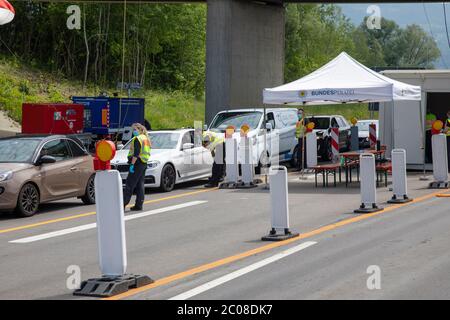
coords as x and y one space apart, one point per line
20 84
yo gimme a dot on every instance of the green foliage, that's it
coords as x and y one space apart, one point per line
164 44
317 33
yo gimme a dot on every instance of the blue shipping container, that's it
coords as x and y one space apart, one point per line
106 115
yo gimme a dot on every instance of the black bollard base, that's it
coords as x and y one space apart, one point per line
364 209
405 199
438 185
110 286
274 236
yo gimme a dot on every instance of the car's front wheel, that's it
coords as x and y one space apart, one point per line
168 177
28 201
89 195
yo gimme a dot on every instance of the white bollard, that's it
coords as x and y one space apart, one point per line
279 205
440 161
311 150
399 178
247 166
111 241
231 163
110 223
368 184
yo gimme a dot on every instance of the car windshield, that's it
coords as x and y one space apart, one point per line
161 140
236 119
363 125
320 123
17 150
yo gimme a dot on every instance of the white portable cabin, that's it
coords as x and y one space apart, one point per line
402 123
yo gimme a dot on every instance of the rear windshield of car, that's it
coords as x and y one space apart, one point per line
320 123
161 140
18 150
236 119
364 125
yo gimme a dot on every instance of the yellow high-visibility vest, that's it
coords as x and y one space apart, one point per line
300 129
144 141
214 139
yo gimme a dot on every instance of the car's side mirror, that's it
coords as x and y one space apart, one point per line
205 127
119 146
45 159
187 146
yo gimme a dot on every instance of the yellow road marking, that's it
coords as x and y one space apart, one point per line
246 254
37 224
443 195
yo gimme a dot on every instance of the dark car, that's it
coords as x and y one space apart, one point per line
322 128
37 169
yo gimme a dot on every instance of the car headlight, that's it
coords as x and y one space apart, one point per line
5 175
153 164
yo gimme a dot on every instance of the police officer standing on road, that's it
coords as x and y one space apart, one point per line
137 158
215 145
300 133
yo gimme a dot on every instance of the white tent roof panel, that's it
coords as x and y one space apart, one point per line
341 80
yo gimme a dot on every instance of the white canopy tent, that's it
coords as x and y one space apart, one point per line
342 80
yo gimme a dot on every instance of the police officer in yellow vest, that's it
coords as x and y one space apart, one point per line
137 158
215 144
300 134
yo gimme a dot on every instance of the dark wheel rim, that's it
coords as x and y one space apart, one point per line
29 200
169 178
91 189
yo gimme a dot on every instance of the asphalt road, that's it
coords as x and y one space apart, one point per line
205 244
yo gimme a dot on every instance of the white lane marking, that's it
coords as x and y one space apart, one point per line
94 225
236 274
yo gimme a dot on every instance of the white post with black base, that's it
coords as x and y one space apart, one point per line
279 205
111 240
399 178
231 164
311 148
440 162
247 167
368 184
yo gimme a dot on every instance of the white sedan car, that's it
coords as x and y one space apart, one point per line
174 158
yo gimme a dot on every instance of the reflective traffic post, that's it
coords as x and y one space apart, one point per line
440 162
399 178
368 184
246 156
110 231
311 147
231 160
279 205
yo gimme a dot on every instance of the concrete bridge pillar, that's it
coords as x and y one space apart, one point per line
244 53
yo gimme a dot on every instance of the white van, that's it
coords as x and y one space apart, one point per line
281 125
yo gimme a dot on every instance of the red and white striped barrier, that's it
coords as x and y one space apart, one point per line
335 142
7 12
373 135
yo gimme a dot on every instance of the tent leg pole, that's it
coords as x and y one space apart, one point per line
422 119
